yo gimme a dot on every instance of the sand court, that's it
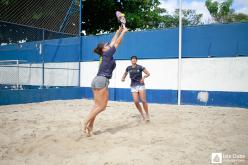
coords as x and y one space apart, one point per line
49 133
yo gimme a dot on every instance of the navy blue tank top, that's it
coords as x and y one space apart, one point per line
108 64
135 74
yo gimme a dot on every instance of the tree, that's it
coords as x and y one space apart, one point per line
240 17
190 17
222 12
99 15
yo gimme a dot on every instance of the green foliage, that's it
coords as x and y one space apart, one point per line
190 17
240 17
212 7
140 14
222 12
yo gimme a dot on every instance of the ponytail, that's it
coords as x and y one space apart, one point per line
98 49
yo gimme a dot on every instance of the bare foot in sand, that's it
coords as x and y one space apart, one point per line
86 129
147 117
143 117
83 127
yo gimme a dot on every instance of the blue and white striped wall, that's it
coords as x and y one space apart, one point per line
214 64
205 81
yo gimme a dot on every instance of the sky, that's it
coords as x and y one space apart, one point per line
240 6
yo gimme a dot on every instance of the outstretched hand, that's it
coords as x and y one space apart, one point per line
124 29
120 29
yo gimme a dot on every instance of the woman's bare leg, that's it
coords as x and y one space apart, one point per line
142 94
91 123
101 100
136 102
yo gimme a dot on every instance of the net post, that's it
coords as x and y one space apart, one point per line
18 71
179 55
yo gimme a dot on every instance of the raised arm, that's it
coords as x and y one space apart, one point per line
113 41
119 39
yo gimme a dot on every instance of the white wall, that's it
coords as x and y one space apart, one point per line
215 74
56 74
206 74
28 74
163 73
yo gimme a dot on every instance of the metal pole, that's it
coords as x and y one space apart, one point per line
43 59
79 61
80 39
80 18
180 54
18 71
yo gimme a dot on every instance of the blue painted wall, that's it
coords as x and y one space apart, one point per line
57 50
218 40
216 98
124 94
62 50
28 52
221 40
39 95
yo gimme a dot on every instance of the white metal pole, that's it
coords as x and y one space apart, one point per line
18 72
80 38
179 54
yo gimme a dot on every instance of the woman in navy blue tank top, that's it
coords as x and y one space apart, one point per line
138 86
101 81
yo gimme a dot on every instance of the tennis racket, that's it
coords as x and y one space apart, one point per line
121 18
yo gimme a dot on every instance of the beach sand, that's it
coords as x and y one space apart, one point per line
48 133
